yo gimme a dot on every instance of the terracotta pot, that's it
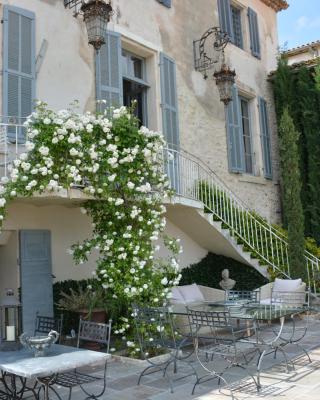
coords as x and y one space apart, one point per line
97 315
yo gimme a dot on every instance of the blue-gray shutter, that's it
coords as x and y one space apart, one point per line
265 138
18 66
166 3
170 119
35 276
108 71
225 17
169 100
254 33
235 137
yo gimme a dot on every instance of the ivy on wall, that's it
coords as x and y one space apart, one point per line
207 272
298 89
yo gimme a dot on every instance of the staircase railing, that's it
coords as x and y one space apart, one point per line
192 178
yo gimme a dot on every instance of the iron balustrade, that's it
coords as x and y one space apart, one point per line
191 178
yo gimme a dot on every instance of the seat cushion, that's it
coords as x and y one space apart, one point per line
286 285
177 297
191 293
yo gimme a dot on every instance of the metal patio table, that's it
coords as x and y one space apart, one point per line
257 314
17 367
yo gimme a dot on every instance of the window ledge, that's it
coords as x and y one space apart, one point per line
258 180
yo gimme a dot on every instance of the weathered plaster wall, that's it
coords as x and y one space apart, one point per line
148 27
67 225
9 270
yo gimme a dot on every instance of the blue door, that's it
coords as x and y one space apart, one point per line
35 276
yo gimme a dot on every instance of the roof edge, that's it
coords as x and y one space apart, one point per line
277 5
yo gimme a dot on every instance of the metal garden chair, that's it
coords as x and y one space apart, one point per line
252 296
44 324
295 332
92 332
156 335
215 336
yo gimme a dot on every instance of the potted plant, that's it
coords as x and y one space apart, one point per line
90 303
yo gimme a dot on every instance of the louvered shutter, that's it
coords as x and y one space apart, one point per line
108 71
225 17
170 123
234 130
254 33
265 138
18 66
169 100
166 3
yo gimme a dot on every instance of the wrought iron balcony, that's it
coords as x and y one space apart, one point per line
12 140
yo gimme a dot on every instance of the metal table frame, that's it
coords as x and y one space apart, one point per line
15 379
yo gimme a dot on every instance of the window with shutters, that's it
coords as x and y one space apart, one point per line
18 66
134 84
225 17
254 33
237 28
246 134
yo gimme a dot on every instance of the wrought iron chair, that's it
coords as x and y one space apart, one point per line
156 334
252 296
44 324
220 339
295 332
91 332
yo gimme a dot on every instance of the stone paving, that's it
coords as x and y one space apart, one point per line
302 382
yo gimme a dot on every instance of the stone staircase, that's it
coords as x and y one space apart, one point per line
252 238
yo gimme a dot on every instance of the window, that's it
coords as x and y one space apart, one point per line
236 24
254 33
18 67
134 84
239 134
246 134
225 17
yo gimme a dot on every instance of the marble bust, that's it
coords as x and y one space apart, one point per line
226 283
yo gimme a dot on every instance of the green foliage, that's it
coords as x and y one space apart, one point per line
290 173
299 90
207 272
114 308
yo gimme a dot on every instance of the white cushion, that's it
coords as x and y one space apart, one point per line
191 293
266 301
286 285
177 297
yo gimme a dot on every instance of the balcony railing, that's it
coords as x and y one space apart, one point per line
12 139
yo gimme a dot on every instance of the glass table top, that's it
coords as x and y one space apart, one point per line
239 310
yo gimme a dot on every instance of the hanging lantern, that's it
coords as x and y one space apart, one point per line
225 79
96 15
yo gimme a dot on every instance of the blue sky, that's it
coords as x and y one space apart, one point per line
300 23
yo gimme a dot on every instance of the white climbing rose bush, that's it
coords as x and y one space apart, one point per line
119 165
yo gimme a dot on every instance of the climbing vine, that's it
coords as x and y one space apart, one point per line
119 165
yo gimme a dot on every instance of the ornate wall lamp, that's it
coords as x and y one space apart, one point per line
96 15
209 55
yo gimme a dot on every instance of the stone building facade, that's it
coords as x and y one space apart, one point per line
149 56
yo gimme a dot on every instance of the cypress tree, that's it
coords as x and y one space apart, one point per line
290 175
283 87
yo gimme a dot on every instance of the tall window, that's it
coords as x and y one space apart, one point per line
246 134
236 24
134 84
